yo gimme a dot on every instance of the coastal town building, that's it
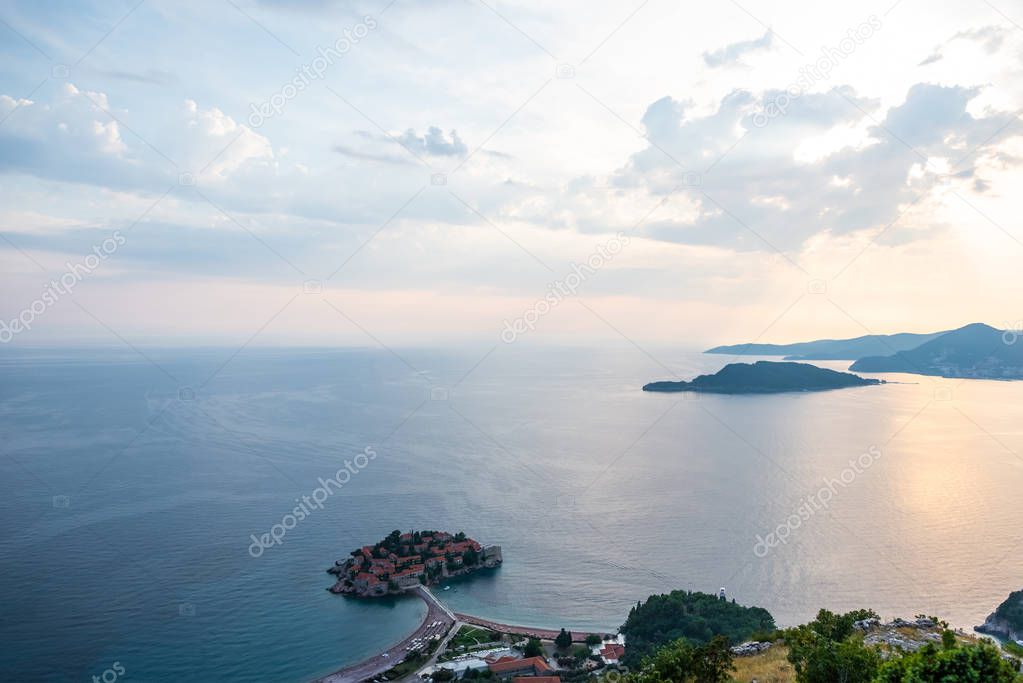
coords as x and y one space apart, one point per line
612 653
405 560
531 666
459 667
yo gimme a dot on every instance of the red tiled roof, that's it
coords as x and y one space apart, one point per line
613 651
411 571
537 664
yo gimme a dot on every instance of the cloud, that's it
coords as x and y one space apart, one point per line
218 146
725 182
731 54
70 137
149 77
434 143
990 38
344 150
80 136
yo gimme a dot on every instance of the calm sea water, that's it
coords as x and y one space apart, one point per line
128 504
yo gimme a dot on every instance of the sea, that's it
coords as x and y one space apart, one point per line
136 486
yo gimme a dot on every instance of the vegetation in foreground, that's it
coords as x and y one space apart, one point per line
829 649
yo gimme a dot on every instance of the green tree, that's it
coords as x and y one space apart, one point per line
563 640
682 662
593 639
948 639
838 627
822 651
980 663
443 675
819 660
697 617
533 648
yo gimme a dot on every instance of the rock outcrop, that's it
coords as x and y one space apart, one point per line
1006 621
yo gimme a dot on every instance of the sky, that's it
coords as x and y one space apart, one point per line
407 173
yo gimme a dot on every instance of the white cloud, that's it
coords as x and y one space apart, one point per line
731 54
708 191
763 194
218 146
433 142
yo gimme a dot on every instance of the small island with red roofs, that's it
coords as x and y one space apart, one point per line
405 560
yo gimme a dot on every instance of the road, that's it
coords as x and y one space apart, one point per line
449 622
377 665
530 631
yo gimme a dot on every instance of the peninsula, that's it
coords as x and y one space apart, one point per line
1007 621
832 349
976 351
765 377
405 560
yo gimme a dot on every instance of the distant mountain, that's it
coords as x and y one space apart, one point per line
977 351
765 377
833 349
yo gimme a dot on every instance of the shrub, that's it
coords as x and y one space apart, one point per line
968 663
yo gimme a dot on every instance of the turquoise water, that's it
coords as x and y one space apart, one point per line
600 495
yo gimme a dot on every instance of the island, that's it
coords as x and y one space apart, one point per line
766 377
976 351
406 560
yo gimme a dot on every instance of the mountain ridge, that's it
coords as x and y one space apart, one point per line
974 351
832 349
